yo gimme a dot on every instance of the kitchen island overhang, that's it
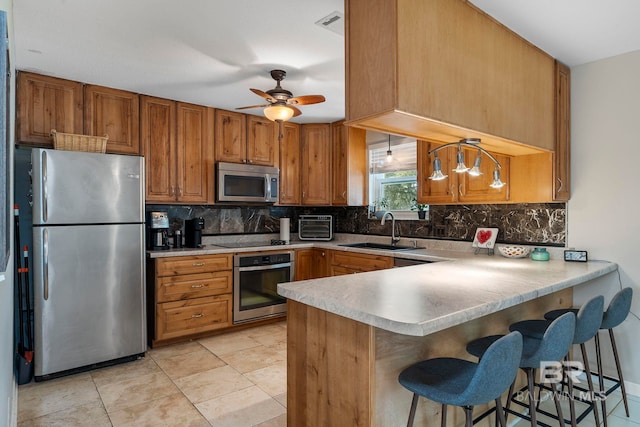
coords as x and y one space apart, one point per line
349 336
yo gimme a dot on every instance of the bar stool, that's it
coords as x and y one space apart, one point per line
459 382
588 321
616 313
553 346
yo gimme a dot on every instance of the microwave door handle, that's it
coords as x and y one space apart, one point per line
267 185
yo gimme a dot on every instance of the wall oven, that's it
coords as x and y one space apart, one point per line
246 183
255 282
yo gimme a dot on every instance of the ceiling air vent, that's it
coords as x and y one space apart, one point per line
333 22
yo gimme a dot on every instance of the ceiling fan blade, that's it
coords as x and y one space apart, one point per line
263 94
253 106
306 100
296 112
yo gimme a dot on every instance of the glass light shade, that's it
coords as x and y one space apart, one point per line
497 183
389 156
475 170
437 174
278 113
461 167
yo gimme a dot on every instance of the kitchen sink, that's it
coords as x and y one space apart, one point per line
382 246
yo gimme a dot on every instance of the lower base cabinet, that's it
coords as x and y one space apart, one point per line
350 263
188 295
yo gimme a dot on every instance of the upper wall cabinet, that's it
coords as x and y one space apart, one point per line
115 113
315 175
290 164
444 70
562 153
178 146
242 138
349 165
45 103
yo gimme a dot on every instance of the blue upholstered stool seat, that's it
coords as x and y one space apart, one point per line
451 381
588 321
552 345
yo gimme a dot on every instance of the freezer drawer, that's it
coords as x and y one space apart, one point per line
89 295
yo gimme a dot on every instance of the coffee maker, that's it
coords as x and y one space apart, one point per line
157 231
193 232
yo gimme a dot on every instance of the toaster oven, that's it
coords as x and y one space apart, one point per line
315 227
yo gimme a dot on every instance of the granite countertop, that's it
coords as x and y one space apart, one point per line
423 299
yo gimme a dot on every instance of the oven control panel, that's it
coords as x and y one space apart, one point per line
256 260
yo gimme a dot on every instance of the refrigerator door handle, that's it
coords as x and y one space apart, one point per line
45 215
45 263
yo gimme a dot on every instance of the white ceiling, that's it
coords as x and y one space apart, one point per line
210 52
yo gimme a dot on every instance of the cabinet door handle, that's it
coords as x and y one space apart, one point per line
180 191
250 161
202 285
197 316
171 191
460 189
198 264
561 185
344 194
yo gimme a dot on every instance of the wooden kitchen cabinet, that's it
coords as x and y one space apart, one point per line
460 188
316 164
230 136
242 138
261 141
115 113
178 140
311 263
188 296
290 164
45 103
483 80
562 153
349 165
350 262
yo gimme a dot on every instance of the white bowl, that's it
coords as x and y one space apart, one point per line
514 251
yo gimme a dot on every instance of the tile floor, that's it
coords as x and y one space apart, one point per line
236 379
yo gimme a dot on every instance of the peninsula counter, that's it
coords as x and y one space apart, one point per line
350 336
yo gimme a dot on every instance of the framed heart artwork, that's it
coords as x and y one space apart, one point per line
485 238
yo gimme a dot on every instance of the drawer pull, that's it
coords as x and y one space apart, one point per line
197 316
198 264
202 285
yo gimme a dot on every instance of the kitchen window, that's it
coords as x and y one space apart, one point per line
392 181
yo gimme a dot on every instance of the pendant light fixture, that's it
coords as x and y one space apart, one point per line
389 153
437 174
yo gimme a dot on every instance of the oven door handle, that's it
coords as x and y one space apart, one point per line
265 267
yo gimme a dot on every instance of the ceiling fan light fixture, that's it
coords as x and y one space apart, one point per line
278 113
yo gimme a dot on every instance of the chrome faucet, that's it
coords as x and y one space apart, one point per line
394 239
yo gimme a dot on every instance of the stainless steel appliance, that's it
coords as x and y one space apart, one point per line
193 232
315 227
255 282
89 253
158 231
246 183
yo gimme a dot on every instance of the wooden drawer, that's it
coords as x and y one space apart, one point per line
174 288
337 270
361 262
192 316
193 264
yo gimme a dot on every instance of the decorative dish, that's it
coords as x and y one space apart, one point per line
514 251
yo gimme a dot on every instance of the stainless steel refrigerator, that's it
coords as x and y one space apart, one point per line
88 256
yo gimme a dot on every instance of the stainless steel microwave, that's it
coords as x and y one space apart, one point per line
246 183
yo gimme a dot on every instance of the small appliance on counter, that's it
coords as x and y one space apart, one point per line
315 227
158 231
193 232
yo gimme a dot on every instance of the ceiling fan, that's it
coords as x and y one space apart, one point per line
281 103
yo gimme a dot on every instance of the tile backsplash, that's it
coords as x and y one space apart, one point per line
530 223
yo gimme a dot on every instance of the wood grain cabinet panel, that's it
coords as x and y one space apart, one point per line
290 164
316 164
188 295
158 131
562 153
45 103
444 70
348 165
230 136
261 141
192 316
115 113
350 262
